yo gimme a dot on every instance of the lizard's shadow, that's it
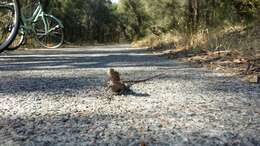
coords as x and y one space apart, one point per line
133 93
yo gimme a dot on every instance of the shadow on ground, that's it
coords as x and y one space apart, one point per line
68 129
62 59
49 84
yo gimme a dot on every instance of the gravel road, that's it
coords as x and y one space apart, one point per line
57 98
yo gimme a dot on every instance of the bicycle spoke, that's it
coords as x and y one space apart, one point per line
54 37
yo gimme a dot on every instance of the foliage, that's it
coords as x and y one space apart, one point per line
90 20
190 16
101 21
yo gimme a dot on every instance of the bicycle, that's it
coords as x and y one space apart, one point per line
46 29
9 22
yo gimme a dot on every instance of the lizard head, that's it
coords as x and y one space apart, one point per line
113 75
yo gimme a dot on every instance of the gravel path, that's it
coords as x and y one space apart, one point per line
56 98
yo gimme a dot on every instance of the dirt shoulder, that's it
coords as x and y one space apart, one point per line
248 69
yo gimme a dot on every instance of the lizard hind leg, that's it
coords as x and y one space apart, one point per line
127 90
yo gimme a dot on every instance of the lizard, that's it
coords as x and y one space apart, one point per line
119 86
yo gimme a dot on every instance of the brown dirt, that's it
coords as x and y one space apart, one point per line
223 61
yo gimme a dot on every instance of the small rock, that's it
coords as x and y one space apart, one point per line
20 138
252 79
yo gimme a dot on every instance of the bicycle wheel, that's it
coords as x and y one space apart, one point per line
9 22
49 34
17 42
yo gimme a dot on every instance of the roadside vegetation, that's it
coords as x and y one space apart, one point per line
220 34
217 33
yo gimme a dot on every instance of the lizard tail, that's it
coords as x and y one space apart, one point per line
143 80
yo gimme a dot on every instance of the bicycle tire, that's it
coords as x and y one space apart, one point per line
17 42
44 39
6 41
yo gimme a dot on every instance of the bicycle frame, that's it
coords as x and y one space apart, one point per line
27 23
46 29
